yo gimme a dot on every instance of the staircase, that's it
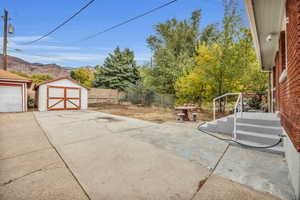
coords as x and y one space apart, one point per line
253 128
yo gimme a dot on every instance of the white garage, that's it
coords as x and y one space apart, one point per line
61 94
13 92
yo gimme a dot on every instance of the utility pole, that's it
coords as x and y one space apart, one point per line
5 32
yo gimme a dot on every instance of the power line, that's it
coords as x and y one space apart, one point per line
62 24
127 21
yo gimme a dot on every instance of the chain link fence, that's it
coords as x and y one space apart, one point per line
150 98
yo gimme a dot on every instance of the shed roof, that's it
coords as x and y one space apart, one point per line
62 78
11 76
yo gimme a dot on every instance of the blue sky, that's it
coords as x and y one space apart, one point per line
33 18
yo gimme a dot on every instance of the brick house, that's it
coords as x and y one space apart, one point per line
275 27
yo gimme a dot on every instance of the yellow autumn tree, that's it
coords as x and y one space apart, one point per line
83 75
195 87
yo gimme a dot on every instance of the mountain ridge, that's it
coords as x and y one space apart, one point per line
20 65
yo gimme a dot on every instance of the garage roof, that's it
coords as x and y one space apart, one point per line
11 76
70 79
266 18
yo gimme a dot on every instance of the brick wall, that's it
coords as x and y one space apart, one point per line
288 92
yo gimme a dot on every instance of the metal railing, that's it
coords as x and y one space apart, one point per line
238 108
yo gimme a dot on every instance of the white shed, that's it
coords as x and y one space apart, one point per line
61 94
13 92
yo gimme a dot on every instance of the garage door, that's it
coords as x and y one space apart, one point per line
11 98
63 98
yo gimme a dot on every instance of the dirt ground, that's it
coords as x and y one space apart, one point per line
153 114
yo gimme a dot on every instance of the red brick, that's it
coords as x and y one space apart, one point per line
287 94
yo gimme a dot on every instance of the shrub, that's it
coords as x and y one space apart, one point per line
30 102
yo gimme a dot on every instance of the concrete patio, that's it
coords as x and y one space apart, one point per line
113 157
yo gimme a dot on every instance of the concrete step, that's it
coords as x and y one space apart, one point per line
252 140
261 122
256 129
209 127
259 138
217 128
277 149
259 129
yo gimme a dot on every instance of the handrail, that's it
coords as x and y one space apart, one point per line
227 94
239 102
219 97
238 107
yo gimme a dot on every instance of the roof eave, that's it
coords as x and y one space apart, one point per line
15 80
68 78
252 21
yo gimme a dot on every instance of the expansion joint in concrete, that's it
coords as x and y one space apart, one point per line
65 163
203 181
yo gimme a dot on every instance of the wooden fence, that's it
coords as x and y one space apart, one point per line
98 95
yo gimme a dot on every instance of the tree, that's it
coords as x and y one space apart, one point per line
210 34
83 75
225 62
119 71
174 49
191 88
39 78
36 78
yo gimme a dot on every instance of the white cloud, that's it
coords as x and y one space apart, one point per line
14 43
60 57
61 54
80 56
27 38
43 47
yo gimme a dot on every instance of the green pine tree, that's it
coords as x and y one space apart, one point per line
119 71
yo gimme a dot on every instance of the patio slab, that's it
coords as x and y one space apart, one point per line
64 127
113 166
29 167
184 142
19 135
117 167
16 167
263 171
218 188
51 182
138 159
245 166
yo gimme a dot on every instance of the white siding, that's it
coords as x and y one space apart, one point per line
42 93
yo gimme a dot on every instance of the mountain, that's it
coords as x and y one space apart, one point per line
20 65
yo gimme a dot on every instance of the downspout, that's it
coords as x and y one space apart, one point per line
270 93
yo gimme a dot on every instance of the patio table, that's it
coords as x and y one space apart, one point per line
185 110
